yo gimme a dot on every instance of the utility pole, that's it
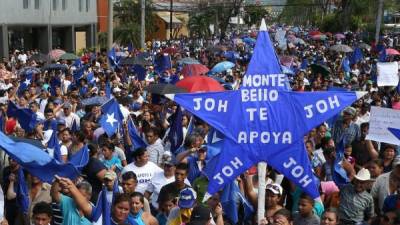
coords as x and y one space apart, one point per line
378 20
262 170
110 25
142 24
171 10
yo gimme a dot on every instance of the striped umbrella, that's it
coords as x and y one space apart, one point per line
56 54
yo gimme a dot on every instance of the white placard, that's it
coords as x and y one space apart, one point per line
381 120
388 74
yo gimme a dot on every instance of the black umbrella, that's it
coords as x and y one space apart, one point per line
318 68
163 89
40 57
127 61
97 100
55 67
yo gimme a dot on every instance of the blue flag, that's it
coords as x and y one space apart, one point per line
136 140
339 175
356 56
130 47
304 64
263 129
55 145
175 135
113 58
36 161
111 118
140 71
346 64
12 109
80 159
22 192
108 89
162 63
102 208
90 78
74 127
77 63
395 132
25 83
78 73
231 198
382 55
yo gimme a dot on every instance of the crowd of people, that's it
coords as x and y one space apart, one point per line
154 185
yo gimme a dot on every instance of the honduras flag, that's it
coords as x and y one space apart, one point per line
136 140
36 161
22 192
339 174
162 63
80 159
356 57
175 135
102 208
111 118
55 145
113 58
25 83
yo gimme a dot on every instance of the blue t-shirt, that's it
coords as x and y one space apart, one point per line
113 161
70 212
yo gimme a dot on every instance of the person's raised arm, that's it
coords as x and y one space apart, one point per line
55 191
81 202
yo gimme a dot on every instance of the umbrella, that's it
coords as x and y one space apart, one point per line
341 48
55 67
163 89
127 61
222 66
200 84
299 41
56 54
194 70
286 60
391 51
68 56
219 79
249 40
121 54
97 100
318 37
364 46
315 32
339 36
39 57
318 68
188 60
217 48
170 50
28 69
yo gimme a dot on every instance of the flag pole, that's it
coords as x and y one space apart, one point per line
262 170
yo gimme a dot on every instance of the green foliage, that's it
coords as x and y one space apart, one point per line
199 25
127 15
254 14
102 39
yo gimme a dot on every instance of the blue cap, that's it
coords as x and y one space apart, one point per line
57 101
61 121
187 198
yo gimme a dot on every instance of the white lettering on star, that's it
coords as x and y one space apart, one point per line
265 137
209 104
322 106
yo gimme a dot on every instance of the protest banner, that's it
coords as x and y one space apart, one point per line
381 120
387 74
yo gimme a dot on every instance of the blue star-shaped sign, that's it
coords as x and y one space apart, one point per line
112 117
264 122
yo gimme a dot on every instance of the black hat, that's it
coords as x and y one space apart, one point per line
200 215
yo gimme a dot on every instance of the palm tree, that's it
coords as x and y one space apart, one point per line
198 25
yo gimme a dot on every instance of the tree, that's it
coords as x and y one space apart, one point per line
127 15
199 25
254 14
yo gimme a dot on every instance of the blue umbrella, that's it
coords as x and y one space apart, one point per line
219 79
55 67
28 69
222 66
188 61
249 40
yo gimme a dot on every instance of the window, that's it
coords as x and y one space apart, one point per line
64 4
80 5
25 4
87 5
55 2
37 4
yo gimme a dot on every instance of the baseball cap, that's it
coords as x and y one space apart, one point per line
67 105
350 110
187 198
200 215
110 175
275 188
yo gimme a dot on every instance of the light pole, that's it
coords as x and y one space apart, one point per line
171 8
142 24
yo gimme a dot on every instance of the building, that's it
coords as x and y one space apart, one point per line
47 24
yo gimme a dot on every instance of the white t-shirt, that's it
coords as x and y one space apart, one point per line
156 183
144 174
